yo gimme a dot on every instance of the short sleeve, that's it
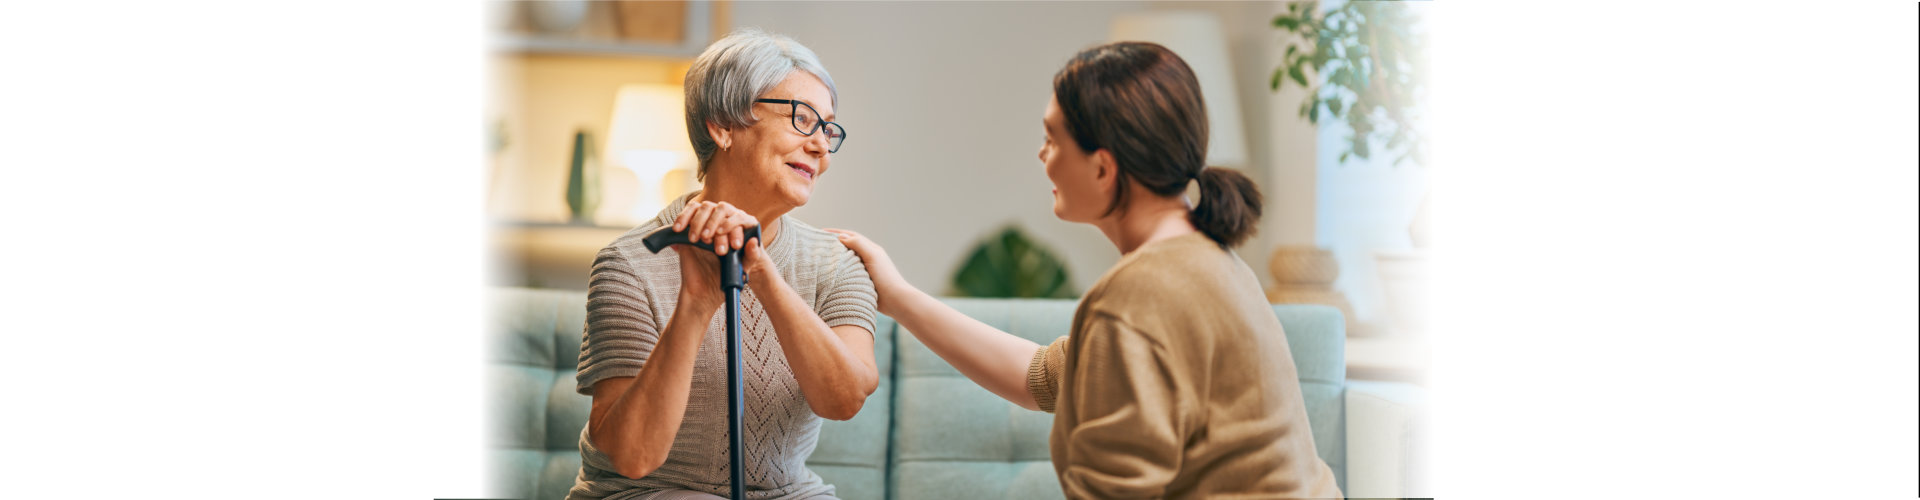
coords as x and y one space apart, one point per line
847 296
620 331
1043 373
1131 431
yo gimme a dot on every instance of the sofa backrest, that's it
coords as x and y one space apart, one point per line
536 416
927 432
954 439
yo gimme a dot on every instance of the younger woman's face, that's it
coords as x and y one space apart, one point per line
1078 193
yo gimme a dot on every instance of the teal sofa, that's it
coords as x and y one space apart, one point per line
927 432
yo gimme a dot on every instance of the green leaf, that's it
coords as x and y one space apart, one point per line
1342 76
1375 85
1009 264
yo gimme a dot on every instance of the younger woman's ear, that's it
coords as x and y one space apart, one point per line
1105 170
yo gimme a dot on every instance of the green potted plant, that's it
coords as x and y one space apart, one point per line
1360 61
1008 264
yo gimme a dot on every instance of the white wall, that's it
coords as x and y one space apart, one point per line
942 103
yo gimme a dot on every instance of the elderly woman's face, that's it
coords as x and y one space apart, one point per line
777 158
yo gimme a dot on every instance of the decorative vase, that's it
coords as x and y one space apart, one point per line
1304 275
583 181
557 17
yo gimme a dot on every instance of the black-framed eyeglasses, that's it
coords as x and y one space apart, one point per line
809 122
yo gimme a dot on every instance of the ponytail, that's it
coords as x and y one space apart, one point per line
1229 206
1141 102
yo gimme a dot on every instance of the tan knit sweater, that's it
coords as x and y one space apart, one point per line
1176 382
631 296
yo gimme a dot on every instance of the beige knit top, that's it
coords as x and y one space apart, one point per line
1176 382
630 297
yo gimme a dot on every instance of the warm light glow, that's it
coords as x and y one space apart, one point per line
648 138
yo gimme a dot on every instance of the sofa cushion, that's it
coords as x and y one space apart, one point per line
852 455
1317 335
534 345
534 350
954 439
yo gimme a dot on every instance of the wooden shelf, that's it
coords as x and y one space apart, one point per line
677 29
547 255
550 45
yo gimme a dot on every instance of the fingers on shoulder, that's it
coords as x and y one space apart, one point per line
846 238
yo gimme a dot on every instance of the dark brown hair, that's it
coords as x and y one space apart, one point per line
1141 103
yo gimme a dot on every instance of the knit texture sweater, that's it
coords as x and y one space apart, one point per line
1176 382
630 297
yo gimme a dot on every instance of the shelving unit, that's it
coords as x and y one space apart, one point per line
546 255
534 44
601 32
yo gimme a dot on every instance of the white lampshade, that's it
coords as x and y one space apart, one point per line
649 138
1197 38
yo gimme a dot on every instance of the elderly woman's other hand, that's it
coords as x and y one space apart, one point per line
724 226
718 223
699 281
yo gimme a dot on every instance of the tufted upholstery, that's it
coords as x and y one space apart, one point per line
536 414
926 433
954 439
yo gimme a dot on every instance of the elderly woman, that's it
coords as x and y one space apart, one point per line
760 111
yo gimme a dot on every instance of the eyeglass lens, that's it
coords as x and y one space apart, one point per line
807 120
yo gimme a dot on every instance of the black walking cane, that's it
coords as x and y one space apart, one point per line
732 278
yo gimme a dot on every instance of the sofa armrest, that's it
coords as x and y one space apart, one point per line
1385 438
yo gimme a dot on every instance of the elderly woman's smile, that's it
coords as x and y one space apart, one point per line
803 169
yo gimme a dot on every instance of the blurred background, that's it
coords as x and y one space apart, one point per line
942 104
1646 243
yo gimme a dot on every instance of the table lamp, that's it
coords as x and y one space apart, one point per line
649 138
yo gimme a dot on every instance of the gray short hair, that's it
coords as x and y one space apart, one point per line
731 73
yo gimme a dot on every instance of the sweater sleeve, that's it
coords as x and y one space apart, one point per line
621 332
1132 426
1043 373
847 295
